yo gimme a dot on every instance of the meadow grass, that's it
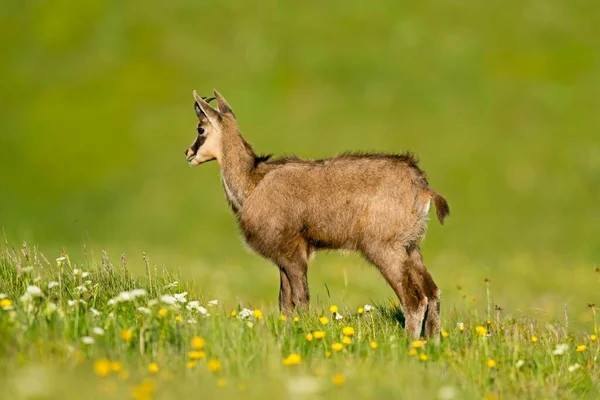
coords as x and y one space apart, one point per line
93 330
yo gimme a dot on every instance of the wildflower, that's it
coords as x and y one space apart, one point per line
76 271
179 319
50 308
338 317
34 291
519 363
88 340
480 330
95 312
333 309
491 363
245 313
373 345
327 354
417 344
296 319
144 390
152 302
581 348
197 355
423 357
167 299
593 337
52 284
534 339
135 293
214 365
233 313
172 285
6 304
98 331
360 310
190 364
127 335
574 367
115 366
198 342
292 359
191 321
144 310
324 320
319 334
59 260
81 289
445 334
309 337
339 379
447 393
560 349
412 352
461 326
257 314
282 318
85 274
368 307
180 297
162 312
348 331
337 346
346 340
213 302
102 367
221 382
195 306
153 368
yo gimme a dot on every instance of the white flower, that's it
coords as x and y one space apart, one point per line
368 307
95 312
37 279
144 310
192 321
85 274
71 303
52 284
181 297
172 285
50 308
447 393
574 367
338 316
165 298
88 340
303 385
519 363
81 289
560 349
245 313
34 291
193 305
61 259
3 295
76 271
98 331
213 303
460 325
138 293
152 303
27 270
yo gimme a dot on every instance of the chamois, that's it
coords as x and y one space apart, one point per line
287 208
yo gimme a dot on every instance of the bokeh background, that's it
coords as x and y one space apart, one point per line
500 100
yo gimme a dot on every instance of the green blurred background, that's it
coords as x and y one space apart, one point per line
500 100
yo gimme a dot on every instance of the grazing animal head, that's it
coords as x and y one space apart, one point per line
213 126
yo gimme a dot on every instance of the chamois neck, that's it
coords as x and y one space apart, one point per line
237 168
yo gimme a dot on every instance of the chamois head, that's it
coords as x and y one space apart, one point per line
213 124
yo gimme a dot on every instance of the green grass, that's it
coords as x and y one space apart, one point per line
43 353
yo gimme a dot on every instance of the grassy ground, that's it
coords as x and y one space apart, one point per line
70 329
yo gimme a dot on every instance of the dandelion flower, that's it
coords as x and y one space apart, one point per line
309 337
258 314
179 319
346 340
593 337
324 320
461 326
360 310
412 352
292 359
162 312
127 335
480 330
348 331
221 382
423 357
327 354
417 344
339 379
196 355
296 319
198 342
233 313
102 367
373 345
6 304
581 348
337 346
153 368
115 366
445 334
491 363
282 318
534 339
214 365
319 334
333 309
190 364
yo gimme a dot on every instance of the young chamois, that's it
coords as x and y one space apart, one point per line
376 204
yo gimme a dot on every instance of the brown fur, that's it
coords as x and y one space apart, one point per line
287 208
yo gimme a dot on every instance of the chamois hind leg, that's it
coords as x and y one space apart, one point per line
398 270
433 293
285 293
294 265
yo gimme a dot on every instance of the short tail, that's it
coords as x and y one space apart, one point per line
441 206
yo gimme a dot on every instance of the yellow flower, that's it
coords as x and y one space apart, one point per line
309 337
491 363
126 335
418 344
327 354
581 348
534 339
445 334
324 320
153 368
360 310
5 303
197 355
461 326
481 331
292 359
489 322
593 337
319 334
162 312
115 366
337 346
233 313
179 319
214 365
423 357
333 309
282 317
221 382
412 352
123 375
257 314
144 390
296 319
198 343
346 340
191 364
373 345
348 331
339 379
102 367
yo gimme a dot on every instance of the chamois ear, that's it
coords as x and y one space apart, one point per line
203 107
224 107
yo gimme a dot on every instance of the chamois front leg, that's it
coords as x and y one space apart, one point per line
285 293
433 293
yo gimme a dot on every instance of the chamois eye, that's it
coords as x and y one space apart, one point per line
200 131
